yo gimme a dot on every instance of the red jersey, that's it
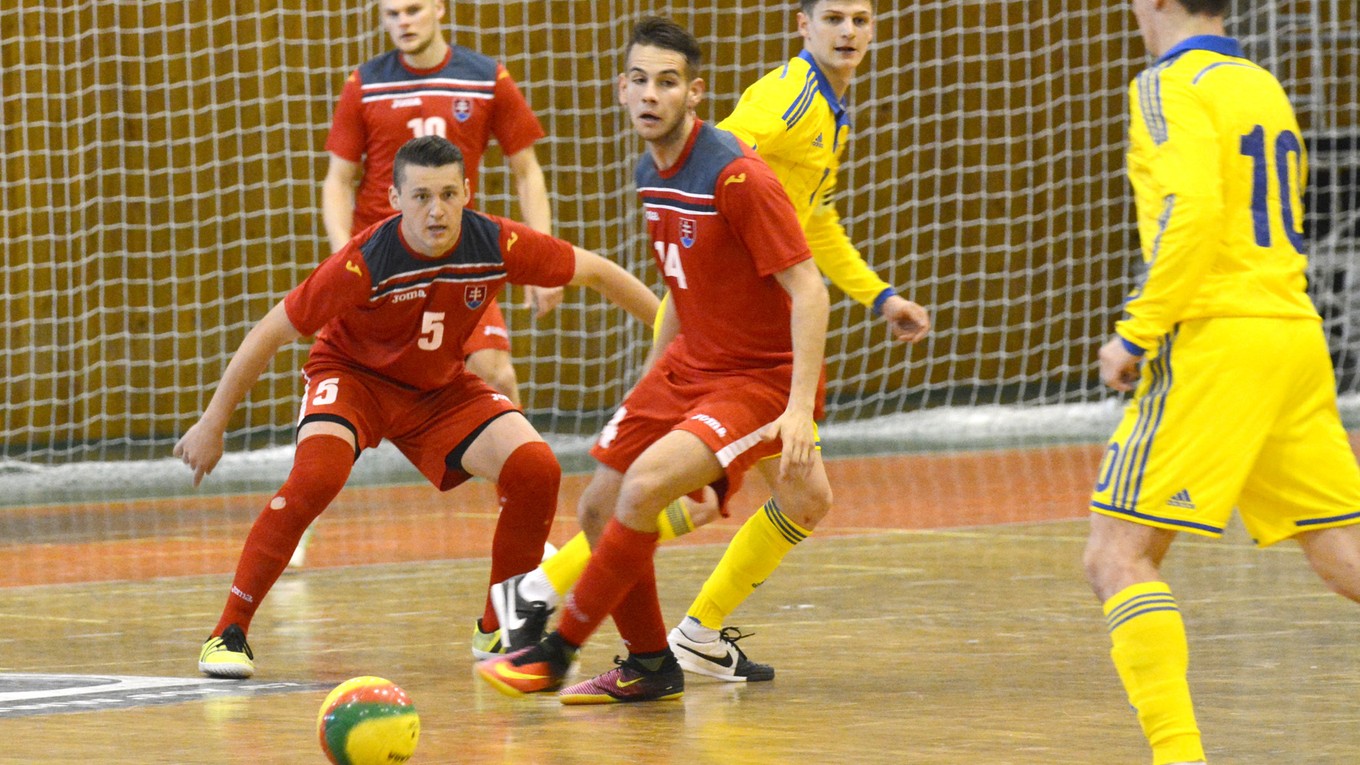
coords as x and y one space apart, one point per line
467 99
721 226
378 305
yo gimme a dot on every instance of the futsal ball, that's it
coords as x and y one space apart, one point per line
368 721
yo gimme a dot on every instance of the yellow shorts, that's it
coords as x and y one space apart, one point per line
1234 412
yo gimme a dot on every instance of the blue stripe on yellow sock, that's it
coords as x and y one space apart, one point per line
786 527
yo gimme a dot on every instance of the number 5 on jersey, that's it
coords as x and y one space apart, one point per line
669 255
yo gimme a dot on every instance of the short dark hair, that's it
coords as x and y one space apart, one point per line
806 6
661 32
426 151
1205 7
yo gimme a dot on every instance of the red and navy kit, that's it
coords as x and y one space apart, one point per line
378 305
468 99
721 226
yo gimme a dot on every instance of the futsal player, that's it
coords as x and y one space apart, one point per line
1234 401
739 381
797 119
390 311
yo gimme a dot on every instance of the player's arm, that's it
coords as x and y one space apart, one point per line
665 328
807 325
615 284
346 144
1184 220
843 264
532 190
337 200
201 446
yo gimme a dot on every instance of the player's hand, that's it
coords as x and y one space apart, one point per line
1118 367
798 434
907 321
542 299
702 509
200 449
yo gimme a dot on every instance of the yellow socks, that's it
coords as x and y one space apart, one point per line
566 565
1152 657
753 554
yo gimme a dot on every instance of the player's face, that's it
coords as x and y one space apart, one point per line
412 24
431 202
658 93
837 34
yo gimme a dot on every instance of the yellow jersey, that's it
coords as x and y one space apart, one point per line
798 125
1217 165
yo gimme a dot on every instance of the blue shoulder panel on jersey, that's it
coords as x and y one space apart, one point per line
394 268
713 151
464 64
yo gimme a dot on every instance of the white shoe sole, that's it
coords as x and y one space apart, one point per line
227 671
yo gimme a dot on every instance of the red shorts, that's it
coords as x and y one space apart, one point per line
727 411
426 426
490 334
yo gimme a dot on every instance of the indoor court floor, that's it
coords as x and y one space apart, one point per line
939 616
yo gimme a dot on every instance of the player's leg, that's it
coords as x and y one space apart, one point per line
700 641
524 603
1149 647
621 578
619 581
321 465
1306 483
534 596
1335 555
510 452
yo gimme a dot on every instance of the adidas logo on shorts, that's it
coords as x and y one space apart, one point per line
1182 499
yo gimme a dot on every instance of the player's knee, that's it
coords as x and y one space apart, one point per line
642 492
531 468
808 506
1110 567
593 511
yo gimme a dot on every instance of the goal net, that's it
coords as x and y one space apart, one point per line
161 167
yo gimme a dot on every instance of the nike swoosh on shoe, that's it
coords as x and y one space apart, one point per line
726 661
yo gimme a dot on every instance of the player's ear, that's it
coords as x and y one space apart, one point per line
392 196
623 87
697 86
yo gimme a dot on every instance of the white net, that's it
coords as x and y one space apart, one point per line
162 165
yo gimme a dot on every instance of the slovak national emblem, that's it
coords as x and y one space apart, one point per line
688 229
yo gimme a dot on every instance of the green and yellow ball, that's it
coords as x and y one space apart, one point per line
368 721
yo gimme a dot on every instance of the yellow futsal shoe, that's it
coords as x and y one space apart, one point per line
486 645
227 655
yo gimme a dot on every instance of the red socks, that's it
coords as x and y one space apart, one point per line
620 575
321 465
527 487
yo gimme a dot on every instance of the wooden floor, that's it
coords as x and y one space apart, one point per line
939 616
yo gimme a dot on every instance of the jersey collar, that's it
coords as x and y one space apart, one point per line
824 87
1226 46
